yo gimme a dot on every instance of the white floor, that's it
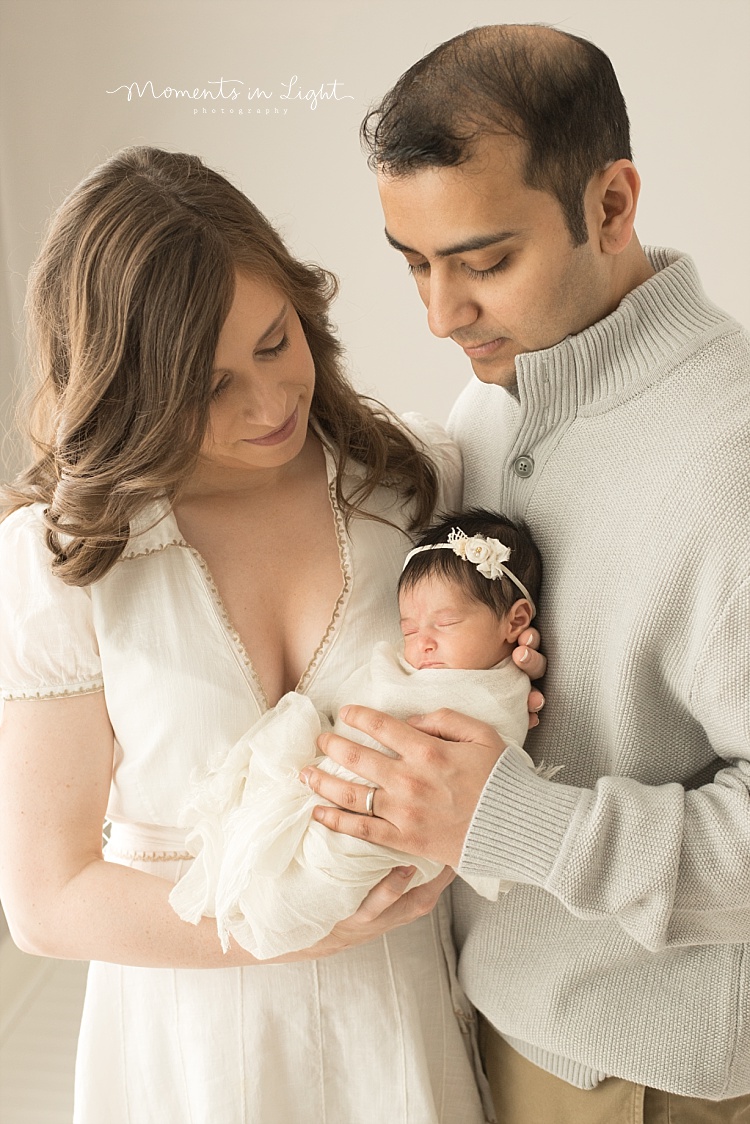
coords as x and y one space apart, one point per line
40 1009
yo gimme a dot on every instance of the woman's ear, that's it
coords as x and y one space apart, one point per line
518 619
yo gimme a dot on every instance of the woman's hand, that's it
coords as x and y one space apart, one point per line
389 904
530 660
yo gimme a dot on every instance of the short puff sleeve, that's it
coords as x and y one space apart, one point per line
48 646
444 454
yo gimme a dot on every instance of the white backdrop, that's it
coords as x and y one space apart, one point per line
682 65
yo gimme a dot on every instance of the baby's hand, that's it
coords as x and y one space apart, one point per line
530 660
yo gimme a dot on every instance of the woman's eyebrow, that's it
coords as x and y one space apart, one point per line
275 324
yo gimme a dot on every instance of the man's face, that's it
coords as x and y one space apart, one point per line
493 259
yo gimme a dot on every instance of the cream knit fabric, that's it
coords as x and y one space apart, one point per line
624 952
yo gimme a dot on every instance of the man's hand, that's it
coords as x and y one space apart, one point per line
530 660
426 796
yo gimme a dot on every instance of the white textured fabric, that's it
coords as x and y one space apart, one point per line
274 878
626 951
373 1034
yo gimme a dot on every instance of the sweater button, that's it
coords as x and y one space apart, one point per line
523 466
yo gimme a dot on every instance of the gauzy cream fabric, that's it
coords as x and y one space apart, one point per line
275 878
372 1034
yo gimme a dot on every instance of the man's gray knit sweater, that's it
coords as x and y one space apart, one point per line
624 951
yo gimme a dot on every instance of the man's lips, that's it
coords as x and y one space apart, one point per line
483 350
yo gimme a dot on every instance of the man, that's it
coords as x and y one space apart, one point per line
611 411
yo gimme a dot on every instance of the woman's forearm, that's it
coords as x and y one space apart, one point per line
114 913
63 900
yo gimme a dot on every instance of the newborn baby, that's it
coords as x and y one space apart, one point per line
274 878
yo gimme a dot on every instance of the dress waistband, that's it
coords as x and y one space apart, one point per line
146 843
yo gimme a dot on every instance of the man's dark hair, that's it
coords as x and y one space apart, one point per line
555 91
498 594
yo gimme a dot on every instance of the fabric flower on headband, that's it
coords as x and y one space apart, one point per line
486 554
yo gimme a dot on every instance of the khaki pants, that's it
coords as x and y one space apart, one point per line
525 1094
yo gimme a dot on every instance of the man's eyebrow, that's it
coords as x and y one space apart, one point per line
480 242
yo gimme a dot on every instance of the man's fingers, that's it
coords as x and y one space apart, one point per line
348 795
536 700
390 732
533 663
454 727
360 759
531 638
526 655
373 829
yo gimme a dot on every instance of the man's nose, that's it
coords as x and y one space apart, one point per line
449 306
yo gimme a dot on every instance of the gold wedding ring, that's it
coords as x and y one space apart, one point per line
368 802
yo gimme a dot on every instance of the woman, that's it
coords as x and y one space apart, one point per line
213 518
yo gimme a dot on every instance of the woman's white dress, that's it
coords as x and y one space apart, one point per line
380 1034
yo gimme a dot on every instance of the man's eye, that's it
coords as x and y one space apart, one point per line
416 270
498 267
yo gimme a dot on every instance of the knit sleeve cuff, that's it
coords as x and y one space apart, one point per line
520 822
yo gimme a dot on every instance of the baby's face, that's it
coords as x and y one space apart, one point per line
444 627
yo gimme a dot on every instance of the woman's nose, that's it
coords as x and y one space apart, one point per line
263 403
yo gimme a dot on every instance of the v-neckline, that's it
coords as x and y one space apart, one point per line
316 659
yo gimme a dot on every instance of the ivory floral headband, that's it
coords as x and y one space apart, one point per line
488 555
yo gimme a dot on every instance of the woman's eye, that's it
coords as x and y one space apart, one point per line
220 387
272 352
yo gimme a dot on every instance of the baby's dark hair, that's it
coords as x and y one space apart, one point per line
500 594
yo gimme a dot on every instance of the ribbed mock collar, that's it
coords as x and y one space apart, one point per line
627 350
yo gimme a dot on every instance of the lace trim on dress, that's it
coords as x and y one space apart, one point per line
346 572
53 693
148 856
152 549
227 622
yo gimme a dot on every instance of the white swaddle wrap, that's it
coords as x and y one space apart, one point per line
274 878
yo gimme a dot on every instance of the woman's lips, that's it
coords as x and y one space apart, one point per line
277 436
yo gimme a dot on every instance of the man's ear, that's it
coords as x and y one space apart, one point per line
614 199
518 619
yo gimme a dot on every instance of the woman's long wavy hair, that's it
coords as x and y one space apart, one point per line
125 305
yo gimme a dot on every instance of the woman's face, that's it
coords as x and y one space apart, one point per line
263 381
